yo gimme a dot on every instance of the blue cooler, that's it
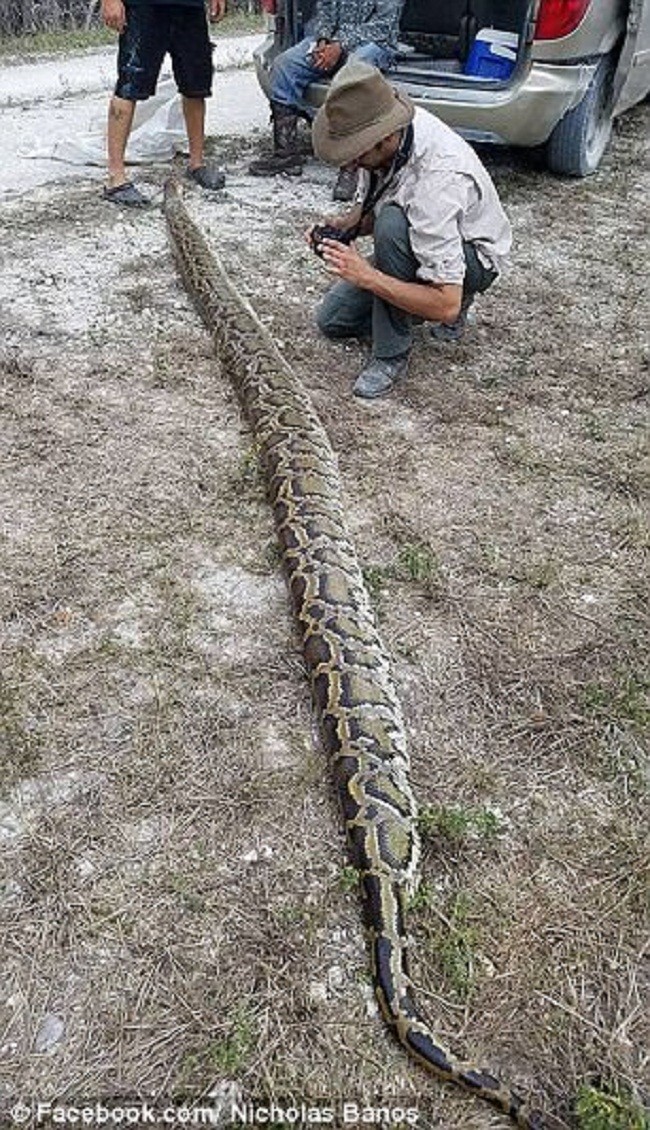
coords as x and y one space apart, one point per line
493 54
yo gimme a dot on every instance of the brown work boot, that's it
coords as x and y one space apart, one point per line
286 156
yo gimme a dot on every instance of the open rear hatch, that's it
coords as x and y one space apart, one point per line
480 43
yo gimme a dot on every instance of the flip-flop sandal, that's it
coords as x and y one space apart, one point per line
207 176
127 195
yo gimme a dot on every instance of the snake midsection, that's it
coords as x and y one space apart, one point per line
358 709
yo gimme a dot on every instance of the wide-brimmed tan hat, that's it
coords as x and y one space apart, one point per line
360 110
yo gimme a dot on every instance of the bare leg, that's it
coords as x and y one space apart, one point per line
194 114
120 120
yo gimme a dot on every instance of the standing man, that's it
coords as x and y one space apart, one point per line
440 233
149 29
363 29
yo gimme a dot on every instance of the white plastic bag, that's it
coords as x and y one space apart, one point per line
158 133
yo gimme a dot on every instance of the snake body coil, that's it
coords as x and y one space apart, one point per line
358 709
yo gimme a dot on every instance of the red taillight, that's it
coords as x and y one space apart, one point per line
559 17
269 6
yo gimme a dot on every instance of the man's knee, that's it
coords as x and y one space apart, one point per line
376 56
287 65
338 317
366 52
280 64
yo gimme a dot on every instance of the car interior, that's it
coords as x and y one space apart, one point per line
439 38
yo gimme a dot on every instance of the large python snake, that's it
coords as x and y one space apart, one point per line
359 713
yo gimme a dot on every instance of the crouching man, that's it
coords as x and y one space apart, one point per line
440 233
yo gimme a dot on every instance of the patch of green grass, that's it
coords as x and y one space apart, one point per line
416 562
539 574
626 700
457 946
230 1054
609 1109
56 41
375 578
305 917
349 879
456 824
271 557
594 429
422 899
449 935
448 823
64 41
225 1056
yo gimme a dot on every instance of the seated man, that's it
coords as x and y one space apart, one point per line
440 233
365 29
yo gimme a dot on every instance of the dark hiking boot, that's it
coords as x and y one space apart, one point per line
380 375
286 156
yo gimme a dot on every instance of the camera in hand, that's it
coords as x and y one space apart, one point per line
326 231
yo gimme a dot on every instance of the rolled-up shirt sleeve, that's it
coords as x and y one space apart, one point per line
434 215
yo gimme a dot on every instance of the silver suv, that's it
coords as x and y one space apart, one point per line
514 72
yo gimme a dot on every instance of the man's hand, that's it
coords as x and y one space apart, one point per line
326 56
343 222
217 10
114 15
345 261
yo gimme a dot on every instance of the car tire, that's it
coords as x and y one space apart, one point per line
578 142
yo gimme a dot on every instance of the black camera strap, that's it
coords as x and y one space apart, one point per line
380 184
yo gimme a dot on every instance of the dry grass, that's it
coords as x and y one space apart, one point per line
176 909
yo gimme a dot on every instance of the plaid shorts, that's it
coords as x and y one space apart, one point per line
153 30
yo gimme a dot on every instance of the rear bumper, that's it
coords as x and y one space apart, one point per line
523 113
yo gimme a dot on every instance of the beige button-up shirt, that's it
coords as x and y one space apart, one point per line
447 196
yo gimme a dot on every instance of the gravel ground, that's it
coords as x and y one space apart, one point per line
177 916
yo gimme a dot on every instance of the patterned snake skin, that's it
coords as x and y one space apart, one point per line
358 709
